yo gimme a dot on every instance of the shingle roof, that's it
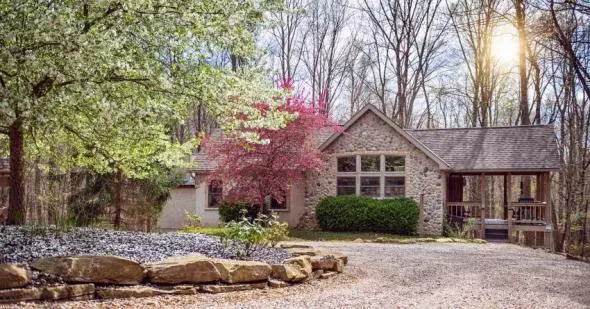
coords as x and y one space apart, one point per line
499 148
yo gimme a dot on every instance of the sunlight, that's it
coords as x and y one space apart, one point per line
505 45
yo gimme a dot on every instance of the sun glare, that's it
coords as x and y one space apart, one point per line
505 45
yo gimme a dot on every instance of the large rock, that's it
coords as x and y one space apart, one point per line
289 272
183 269
93 269
295 252
140 291
233 271
69 292
14 275
303 262
232 288
326 262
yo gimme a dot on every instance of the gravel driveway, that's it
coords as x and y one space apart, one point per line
426 275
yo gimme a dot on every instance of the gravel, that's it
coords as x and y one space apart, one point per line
18 244
426 275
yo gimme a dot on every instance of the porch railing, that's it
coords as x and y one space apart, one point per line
529 213
464 209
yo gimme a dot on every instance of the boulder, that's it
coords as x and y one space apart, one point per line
93 269
289 272
303 262
183 269
70 292
277 284
234 271
317 274
211 288
141 291
287 245
326 262
14 275
295 252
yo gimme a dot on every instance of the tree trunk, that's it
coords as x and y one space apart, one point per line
118 199
16 206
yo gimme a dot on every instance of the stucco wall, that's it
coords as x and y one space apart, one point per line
371 135
194 201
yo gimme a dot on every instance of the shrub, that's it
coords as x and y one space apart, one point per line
365 214
251 234
193 221
275 230
235 211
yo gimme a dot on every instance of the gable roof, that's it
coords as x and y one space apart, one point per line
517 148
371 108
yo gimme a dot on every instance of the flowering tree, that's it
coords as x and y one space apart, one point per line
254 168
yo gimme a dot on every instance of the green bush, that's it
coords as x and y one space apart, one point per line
235 211
365 214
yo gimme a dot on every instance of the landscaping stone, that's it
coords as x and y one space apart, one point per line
141 291
14 275
328 274
183 269
60 292
339 266
289 272
277 284
317 274
326 262
234 271
303 262
292 245
295 252
18 245
210 288
93 269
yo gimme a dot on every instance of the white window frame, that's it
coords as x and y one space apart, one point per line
208 183
381 173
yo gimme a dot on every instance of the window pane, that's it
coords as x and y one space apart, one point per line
370 186
273 204
394 187
370 163
394 164
346 186
347 164
215 193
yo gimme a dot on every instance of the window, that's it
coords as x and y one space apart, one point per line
347 164
370 186
370 163
379 176
346 186
394 187
394 164
273 204
215 193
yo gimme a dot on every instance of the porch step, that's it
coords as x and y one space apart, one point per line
496 235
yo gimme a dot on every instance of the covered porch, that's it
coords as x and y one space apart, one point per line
512 206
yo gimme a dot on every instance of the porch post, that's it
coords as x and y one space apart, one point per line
508 202
548 237
482 191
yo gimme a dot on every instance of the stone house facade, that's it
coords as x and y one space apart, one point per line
373 156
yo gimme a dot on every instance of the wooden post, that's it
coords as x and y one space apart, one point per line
482 189
548 239
508 190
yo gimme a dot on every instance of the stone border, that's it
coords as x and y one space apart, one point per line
110 277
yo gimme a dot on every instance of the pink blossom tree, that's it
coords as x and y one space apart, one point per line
254 170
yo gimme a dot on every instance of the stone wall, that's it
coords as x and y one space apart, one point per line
371 135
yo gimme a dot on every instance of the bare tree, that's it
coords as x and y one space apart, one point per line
414 34
326 49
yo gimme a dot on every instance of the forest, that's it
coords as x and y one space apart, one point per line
101 102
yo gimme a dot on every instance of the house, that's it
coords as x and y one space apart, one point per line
373 156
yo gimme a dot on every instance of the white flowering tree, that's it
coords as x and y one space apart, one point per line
98 83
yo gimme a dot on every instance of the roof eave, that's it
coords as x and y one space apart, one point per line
369 107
